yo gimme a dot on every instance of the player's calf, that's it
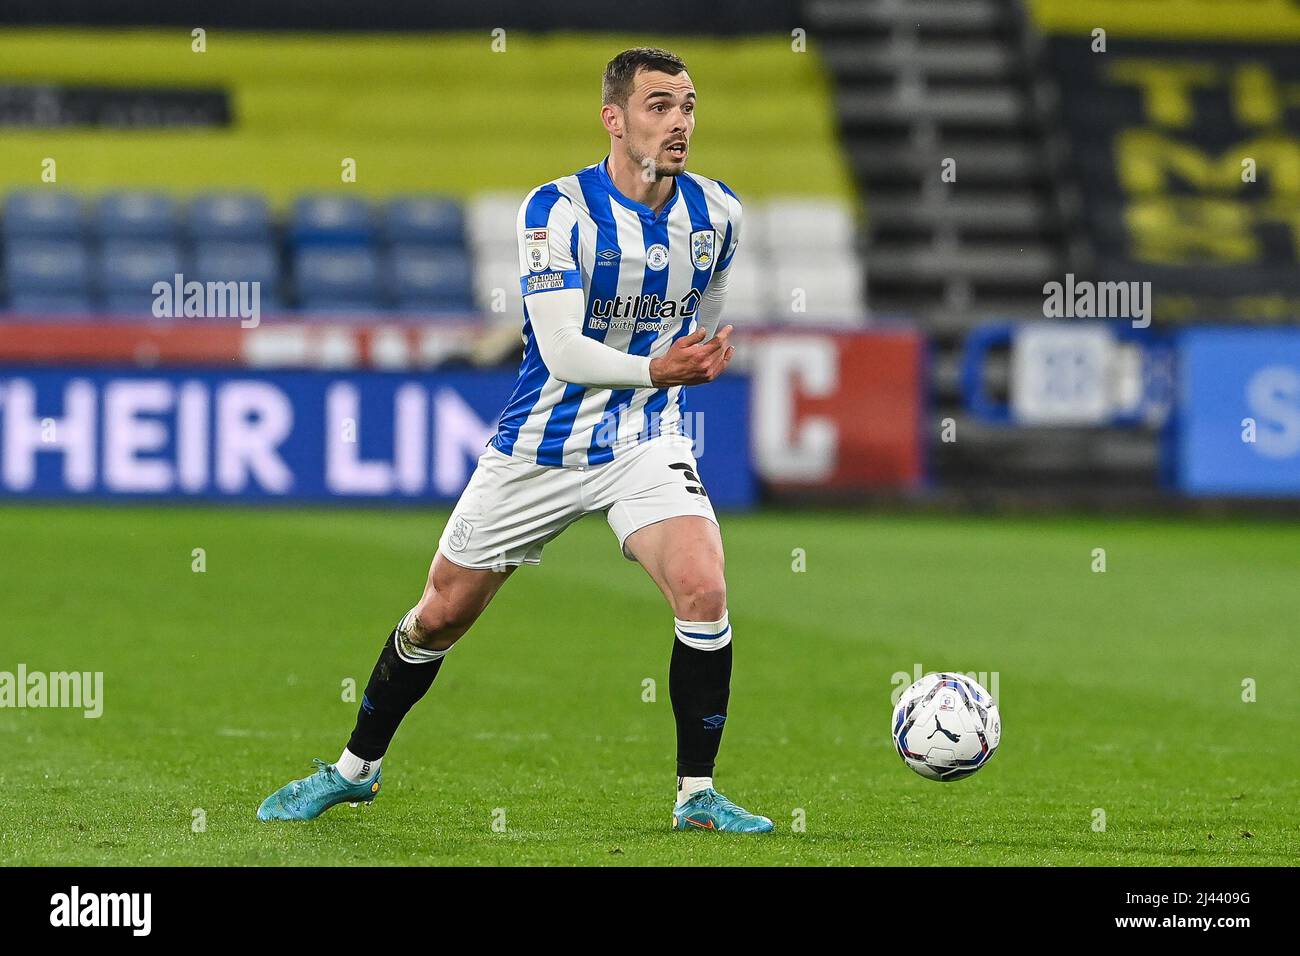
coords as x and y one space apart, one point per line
453 599
409 661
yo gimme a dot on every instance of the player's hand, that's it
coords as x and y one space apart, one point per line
693 361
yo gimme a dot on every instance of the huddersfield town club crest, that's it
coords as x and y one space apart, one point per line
460 533
702 247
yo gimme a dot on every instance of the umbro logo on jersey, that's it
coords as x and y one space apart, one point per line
609 254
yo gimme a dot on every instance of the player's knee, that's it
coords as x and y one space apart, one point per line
705 602
440 623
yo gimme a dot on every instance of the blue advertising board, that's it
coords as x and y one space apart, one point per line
1238 425
293 435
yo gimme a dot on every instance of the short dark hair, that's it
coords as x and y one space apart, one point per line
621 70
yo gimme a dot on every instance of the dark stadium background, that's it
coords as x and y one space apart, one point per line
1096 513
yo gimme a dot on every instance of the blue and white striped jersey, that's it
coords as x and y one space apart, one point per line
642 276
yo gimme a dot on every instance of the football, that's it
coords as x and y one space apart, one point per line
946 726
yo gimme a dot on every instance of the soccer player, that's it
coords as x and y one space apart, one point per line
624 270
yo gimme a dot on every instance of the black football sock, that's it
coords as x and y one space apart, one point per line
395 686
699 684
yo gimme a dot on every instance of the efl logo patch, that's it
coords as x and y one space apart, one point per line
537 251
702 243
947 702
460 532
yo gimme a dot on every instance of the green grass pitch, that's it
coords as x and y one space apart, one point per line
1121 692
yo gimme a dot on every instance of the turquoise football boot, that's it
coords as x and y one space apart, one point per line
710 810
308 798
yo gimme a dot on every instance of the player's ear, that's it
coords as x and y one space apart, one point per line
612 117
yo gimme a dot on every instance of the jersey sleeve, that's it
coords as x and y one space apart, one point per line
731 239
548 242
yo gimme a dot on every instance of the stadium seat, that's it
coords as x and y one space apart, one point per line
496 285
346 277
239 217
222 261
424 220
128 268
331 220
42 214
137 215
491 223
433 278
830 291
49 304
133 304
803 228
46 267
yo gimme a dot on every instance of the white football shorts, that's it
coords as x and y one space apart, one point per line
512 507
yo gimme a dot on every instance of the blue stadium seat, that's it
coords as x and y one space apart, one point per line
331 220
221 261
43 267
137 215
230 216
424 220
42 214
134 304
128 269
50 304
431 278
344 277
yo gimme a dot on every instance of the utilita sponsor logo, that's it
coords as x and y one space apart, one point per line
645 307
75 908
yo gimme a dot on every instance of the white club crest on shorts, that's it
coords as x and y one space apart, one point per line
702 243
656 257
536 249
460 532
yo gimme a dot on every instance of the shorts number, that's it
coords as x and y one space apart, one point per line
689 473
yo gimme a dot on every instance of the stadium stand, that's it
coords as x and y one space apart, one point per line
229 216
924 85
416 254
47 275
429 233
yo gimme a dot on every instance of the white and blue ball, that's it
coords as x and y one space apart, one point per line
946 726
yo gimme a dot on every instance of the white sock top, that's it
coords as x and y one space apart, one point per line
354 770
687 787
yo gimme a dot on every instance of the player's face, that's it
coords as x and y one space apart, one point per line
660 120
